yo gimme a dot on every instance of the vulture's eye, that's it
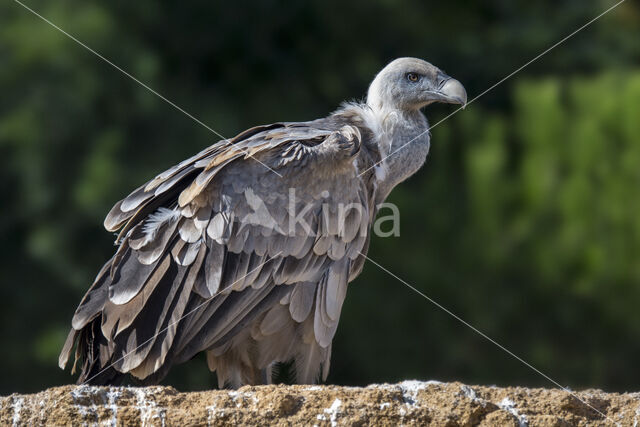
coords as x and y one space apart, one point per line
413 77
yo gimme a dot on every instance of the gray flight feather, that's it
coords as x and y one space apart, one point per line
301 301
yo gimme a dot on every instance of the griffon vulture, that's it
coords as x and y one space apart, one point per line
244 251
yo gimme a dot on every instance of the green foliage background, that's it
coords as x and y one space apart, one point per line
525 221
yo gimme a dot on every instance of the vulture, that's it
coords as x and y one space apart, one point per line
245 250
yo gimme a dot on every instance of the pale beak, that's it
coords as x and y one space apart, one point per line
453 92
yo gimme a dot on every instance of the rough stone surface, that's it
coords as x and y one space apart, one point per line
406 403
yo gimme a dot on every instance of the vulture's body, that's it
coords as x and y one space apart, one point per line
245 250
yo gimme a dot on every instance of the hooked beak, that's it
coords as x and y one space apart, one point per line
452 92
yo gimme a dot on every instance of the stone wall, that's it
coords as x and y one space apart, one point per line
406 403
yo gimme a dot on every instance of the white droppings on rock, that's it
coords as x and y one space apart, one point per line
333 412
385 405
239 397
78 395
149 410
408 383
410 389
469 392
314 388
509 406
16 405
41 414
235 396
83 394
212 413
112 397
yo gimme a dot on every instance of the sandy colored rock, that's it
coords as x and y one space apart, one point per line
406 403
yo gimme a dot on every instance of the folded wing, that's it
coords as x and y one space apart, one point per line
253 239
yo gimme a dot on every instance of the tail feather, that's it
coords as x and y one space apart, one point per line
311 361
96 367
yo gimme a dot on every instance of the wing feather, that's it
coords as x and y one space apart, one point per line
277 318
93 301
124 314
336 288
129 278
213 271
301 301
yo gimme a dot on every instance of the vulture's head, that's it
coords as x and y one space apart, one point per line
408 84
